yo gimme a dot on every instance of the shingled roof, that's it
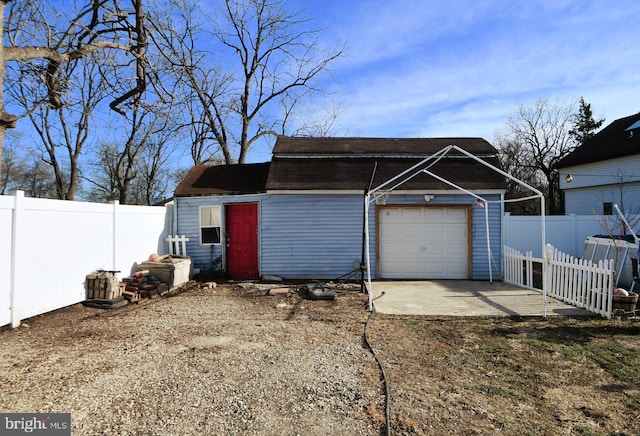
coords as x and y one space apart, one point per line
374 147
347 164
620 138
304 163
224 179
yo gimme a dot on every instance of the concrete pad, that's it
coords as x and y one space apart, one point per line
464 298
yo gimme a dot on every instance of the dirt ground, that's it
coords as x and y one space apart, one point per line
232 360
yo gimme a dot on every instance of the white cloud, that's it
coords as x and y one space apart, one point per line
461 68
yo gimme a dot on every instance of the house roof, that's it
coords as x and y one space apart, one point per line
306 163
347 164
224 179
355 174
620 138
374 147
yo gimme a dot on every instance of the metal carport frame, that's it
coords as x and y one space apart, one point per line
422 167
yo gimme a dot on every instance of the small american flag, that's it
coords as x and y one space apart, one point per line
478 203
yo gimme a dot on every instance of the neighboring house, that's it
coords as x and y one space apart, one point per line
604 171
302 214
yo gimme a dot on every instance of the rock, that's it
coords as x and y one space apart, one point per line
278 291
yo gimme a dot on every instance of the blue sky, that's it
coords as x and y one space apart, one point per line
437 68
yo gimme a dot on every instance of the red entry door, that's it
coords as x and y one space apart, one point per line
241 222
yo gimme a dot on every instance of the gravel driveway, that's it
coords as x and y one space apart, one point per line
223 360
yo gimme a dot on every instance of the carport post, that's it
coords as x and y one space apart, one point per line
367 198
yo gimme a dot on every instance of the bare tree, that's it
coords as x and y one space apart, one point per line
13 166
134 171
538 137
63 130
24 169
38 181
104 178
41 33
118 162
153 170
512 154
266 63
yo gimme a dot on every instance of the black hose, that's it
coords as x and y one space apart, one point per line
384 375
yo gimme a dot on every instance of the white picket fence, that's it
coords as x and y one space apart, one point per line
519 269
579 282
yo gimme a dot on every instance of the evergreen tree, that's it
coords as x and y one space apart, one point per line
584 125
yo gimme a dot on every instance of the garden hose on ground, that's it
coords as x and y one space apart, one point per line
385 381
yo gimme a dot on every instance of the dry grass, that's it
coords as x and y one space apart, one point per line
505 376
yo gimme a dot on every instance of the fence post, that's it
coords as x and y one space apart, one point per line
16 257
114 242
547 270
506 222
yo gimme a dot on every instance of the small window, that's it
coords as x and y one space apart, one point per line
210 224
607 209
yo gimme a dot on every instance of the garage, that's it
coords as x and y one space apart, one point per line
424 242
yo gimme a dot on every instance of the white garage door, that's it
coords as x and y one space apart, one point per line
423 242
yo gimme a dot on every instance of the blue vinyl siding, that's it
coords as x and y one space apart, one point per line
311 236
188 224
481 261
307 236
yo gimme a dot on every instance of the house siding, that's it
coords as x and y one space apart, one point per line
310 236
612 171
187 210
614 181
589 201
481 260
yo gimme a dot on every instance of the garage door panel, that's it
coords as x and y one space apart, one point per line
423 242
458 268
457 250
457 213
435 232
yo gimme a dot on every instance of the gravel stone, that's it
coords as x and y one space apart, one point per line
208 359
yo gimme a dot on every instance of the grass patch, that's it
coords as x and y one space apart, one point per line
524 377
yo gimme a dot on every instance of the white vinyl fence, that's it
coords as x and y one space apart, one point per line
565 232
579 282
49 246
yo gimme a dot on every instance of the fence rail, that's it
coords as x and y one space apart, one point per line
579 282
